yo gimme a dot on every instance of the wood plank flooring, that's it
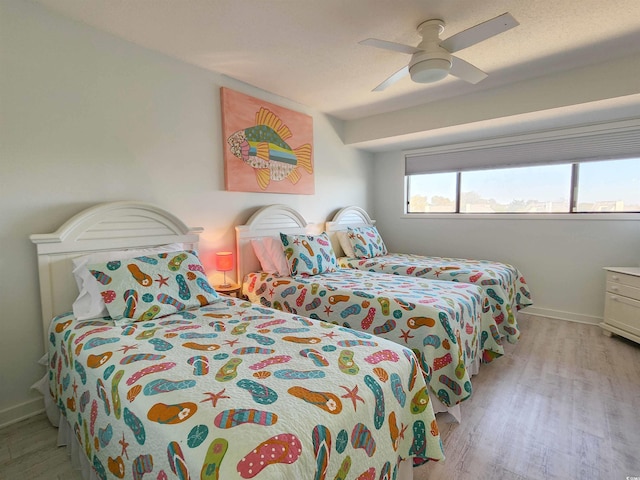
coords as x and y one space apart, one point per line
563 403
28 451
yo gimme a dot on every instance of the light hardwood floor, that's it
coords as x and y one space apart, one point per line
28 452
563 403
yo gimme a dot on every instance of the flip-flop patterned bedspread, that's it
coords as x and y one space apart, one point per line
447 325
504 284
234 390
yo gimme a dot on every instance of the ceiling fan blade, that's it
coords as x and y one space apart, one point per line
479 33
395 47
392 79
465 71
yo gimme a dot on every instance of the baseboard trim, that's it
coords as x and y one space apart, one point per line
20 412
560 315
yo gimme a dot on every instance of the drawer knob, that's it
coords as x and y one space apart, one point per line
614 288
613 298
615 277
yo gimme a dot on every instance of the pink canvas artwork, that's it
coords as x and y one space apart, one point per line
267 148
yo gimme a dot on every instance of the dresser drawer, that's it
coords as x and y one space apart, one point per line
624 290
624 279
622 312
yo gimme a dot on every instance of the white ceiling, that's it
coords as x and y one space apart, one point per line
308 51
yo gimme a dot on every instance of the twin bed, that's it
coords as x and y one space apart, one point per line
334 373
227 389
505 287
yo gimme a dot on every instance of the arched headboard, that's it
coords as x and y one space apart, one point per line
268 221
104 227
346 217
349 217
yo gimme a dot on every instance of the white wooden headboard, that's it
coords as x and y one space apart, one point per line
346 217
105 227
268 221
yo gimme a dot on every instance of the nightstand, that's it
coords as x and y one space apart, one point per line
622 303
233 289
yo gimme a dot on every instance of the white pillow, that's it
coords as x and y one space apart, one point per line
276 252
264 257
89 303
345 243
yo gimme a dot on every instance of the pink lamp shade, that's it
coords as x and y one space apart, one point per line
224 263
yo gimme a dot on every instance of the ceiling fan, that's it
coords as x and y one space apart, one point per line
431 60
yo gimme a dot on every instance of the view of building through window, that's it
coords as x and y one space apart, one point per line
601 186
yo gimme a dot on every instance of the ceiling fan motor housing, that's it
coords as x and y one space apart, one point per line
432 63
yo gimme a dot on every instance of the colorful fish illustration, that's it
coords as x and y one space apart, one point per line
263 148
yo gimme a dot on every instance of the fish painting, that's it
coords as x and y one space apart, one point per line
263 147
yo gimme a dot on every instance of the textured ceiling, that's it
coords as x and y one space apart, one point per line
308 51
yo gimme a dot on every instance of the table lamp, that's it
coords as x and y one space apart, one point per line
224 263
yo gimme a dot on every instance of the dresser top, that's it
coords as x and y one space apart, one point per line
635 271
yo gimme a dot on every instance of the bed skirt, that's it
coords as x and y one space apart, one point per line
77 457
66 436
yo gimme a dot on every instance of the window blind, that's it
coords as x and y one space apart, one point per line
595 142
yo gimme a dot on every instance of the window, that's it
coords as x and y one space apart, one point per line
597 186
435 193
611 186
575 169
516 190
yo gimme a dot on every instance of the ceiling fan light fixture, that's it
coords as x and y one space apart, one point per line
431 60
430 70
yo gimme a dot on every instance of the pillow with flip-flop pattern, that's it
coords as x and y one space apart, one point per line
89 303
309 254
147 287
366 242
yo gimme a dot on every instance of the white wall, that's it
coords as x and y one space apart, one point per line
87 118
561 260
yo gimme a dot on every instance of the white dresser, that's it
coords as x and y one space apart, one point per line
622 302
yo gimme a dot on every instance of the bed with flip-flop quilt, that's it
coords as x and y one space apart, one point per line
440 322
177 381
363 248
